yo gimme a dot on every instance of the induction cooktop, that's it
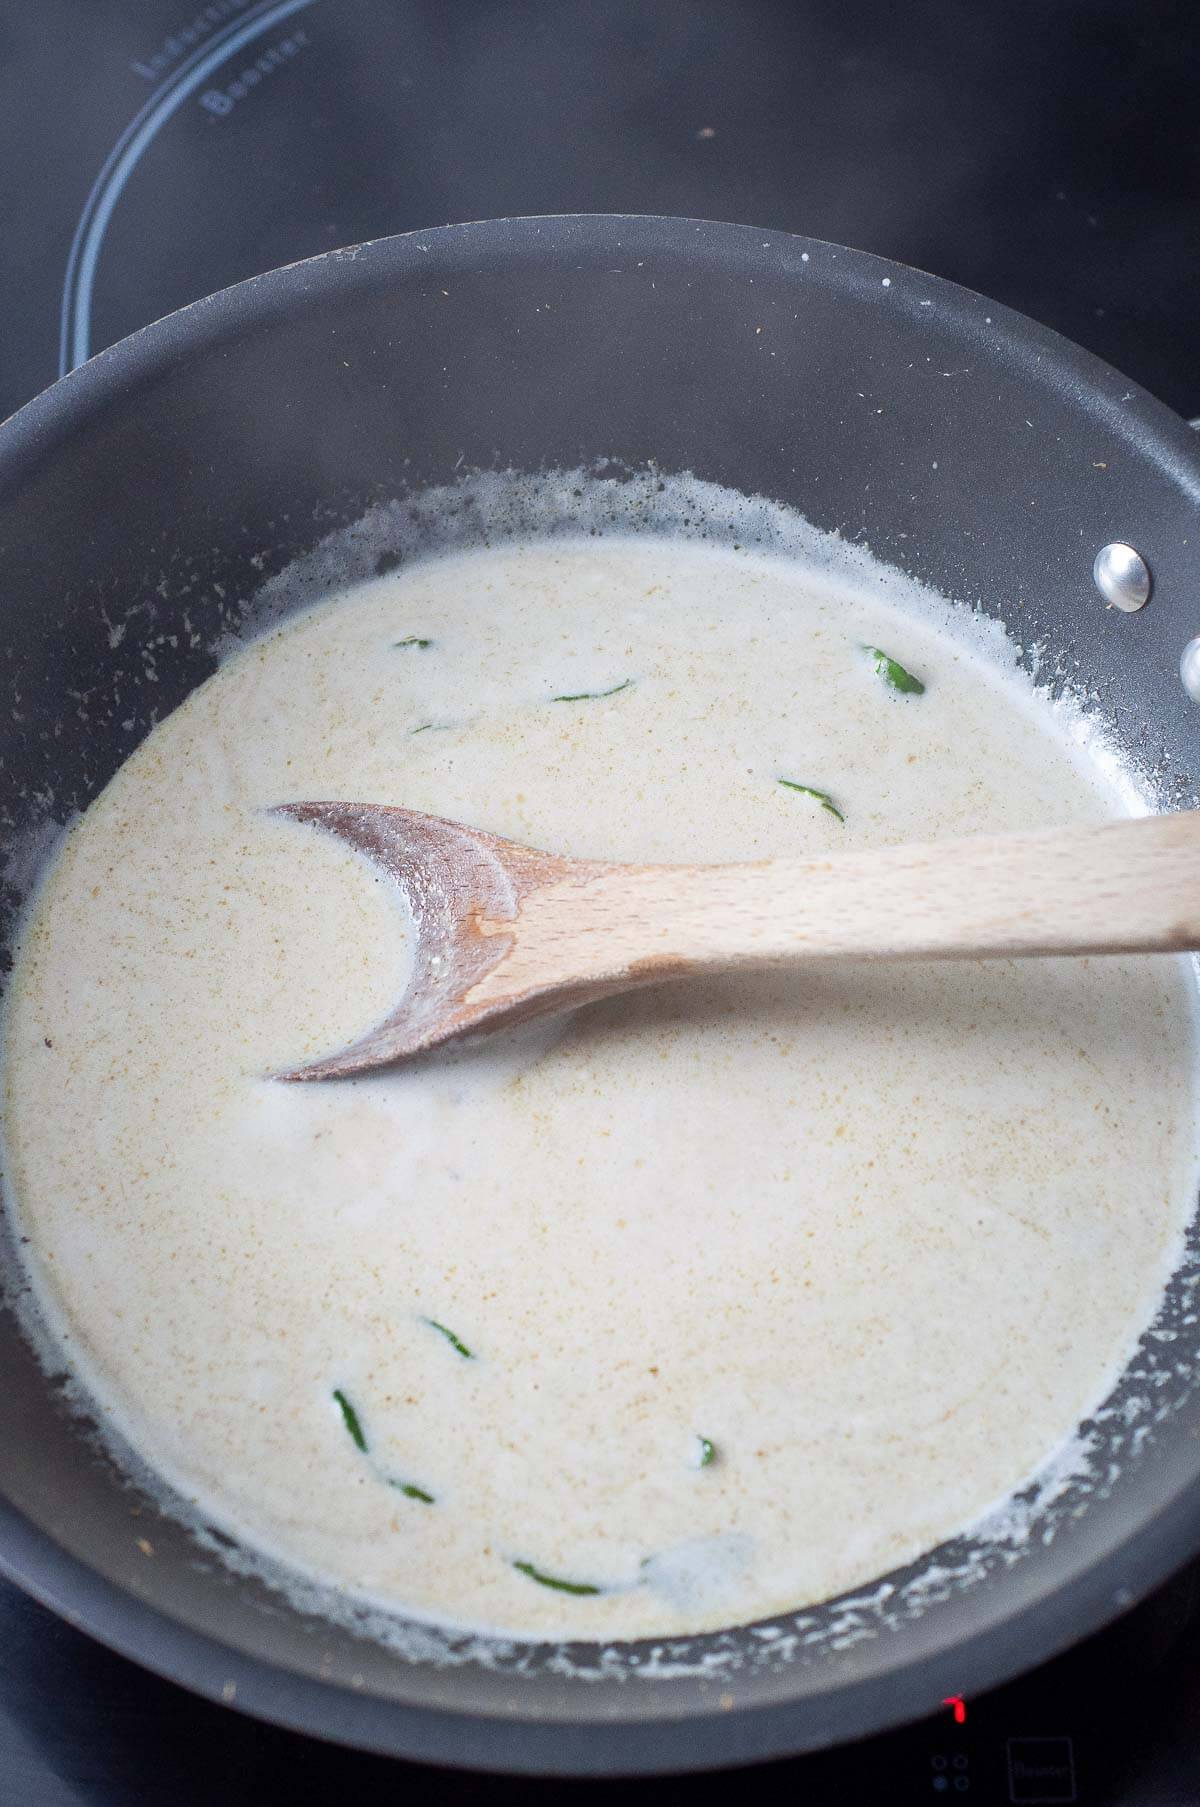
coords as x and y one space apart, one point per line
1044 152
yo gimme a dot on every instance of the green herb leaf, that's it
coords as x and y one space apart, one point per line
708 1452
412 1492
894 674
350 1419
353 1424
592 696
412 640
822 797
454 1342
556 1581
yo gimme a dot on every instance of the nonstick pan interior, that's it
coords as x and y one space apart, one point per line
162 485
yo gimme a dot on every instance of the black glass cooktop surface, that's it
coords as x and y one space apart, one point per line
1045 152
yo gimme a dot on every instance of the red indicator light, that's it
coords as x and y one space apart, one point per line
959 1705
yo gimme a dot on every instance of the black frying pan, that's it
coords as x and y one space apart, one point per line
957 440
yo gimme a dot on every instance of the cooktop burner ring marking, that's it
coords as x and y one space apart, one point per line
75 319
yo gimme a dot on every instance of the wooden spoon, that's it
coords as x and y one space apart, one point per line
505 933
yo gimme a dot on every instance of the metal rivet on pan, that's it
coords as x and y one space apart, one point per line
1122 576
1189 668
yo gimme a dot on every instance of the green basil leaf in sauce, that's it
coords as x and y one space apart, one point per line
556 1581
592 696
412 640
412 1492
809 790
893 673
455 1342
708 1452
350 1419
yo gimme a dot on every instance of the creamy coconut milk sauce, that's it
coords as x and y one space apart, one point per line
707 1303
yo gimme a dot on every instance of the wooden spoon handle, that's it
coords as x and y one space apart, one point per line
1118 887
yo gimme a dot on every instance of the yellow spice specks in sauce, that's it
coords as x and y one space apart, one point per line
884 1235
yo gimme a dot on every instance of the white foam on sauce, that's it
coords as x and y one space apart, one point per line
837 1224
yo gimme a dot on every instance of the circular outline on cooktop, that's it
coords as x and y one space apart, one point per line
75 313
